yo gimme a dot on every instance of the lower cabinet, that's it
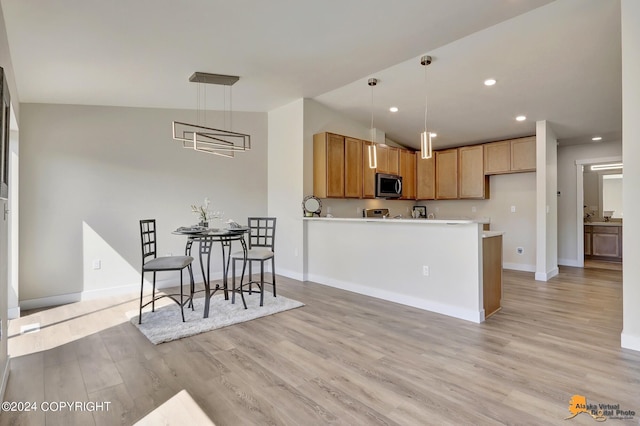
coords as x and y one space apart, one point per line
491 274
603 242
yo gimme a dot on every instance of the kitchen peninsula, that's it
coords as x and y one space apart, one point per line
431 264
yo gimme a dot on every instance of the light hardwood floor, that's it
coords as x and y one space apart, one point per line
342 359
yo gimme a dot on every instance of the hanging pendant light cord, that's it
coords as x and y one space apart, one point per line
373 139
425 99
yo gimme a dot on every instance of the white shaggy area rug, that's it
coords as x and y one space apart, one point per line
165 324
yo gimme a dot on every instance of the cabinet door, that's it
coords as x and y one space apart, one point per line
471 178
393 160
368 174
382 153
497 157
352 168
523 154
587 242
447 174
605 241
408 173
425 178
328 165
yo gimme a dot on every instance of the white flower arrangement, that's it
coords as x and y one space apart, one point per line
204 213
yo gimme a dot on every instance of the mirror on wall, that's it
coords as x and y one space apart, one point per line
603 191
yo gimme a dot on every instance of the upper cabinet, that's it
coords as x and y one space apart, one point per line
352 168
523 154
425 178
407 160
510 156
328 165
388 159
471 178
341 168
447 174
368 174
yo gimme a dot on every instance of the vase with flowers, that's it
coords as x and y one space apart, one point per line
204 213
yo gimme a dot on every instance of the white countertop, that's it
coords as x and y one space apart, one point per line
489 234
401 220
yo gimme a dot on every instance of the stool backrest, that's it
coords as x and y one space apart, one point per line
262 232
148 238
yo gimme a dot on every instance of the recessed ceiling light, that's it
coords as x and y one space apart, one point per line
596 138
433 135
490 82
393 109
521 118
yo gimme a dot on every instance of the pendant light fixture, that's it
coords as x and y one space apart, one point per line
425 138
205 139
373 159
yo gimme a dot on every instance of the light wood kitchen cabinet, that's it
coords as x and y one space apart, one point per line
497 157
510 156
473 183
328 165
425 178
408 172
352 168
491 274
368 174
603 242
523 154
393 160
447 174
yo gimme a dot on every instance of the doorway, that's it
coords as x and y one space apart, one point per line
597 199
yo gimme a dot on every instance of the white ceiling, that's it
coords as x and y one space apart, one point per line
555 60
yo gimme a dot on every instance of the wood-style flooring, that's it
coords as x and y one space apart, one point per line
342 359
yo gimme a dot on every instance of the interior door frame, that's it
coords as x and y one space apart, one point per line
580 201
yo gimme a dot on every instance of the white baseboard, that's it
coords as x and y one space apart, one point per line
570 262
5 377
44 302
546 276
290 274
519 267
629 341
13 313
63 299
427 305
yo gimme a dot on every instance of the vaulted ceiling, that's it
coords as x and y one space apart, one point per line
553 60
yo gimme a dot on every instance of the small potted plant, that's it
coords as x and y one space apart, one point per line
203 213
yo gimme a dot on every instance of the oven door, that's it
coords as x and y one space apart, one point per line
388 186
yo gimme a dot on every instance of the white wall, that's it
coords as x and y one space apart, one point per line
519 190
567 185
385 259
286 162
630 11
88 175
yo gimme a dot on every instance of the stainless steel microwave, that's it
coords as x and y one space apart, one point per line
388 186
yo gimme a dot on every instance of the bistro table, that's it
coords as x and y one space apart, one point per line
206 238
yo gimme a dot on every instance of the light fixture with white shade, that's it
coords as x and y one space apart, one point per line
611 166
373 159
426 150
202 138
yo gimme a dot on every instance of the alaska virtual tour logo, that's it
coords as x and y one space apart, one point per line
599 412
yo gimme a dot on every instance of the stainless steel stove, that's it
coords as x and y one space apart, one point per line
375 213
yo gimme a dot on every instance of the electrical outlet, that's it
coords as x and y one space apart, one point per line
520 250
513 209
474 209
425 270
328 209
97 264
